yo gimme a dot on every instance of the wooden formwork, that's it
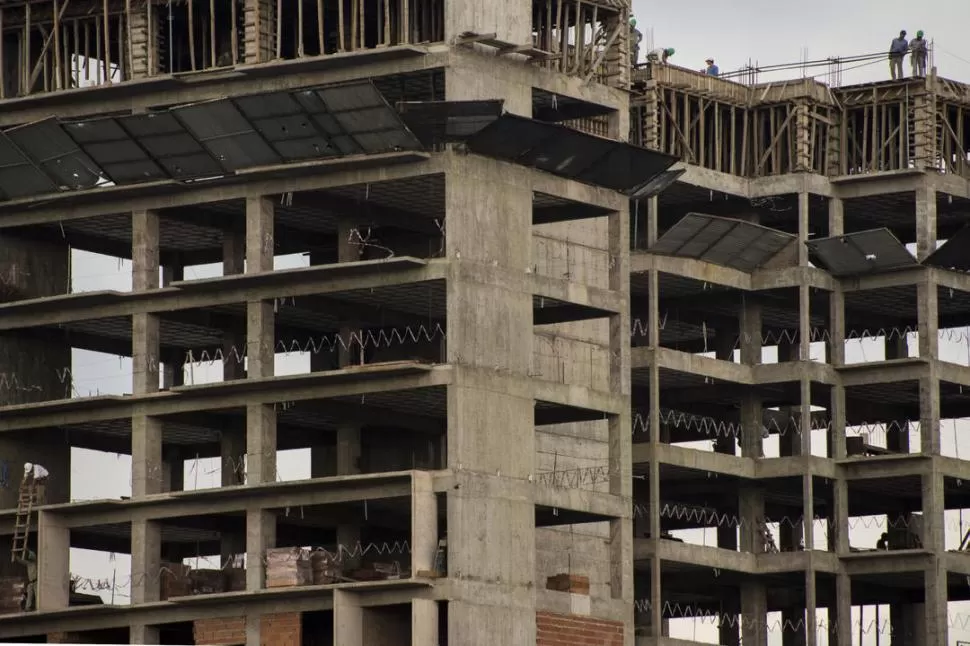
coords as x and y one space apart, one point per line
802 125
50 45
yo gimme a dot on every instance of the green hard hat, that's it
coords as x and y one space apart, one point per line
919 34
633 22
670 51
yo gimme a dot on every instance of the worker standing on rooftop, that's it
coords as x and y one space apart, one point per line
897 51
635 39
917 57
660 55
711 69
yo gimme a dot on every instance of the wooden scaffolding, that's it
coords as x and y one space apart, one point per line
802 125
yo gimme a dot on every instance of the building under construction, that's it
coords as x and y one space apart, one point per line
658 355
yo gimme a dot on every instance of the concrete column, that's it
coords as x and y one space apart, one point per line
803 228
348 619
840 615
934 539
754 613
260 536
929 414
146 561
260 444
143 634
925 221
491 434
233 264
424 522
836 216
146 433
927 316
53 562
424 622
836 342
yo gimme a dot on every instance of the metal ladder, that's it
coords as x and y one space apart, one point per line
26 497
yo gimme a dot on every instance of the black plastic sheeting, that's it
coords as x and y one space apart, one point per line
722 241
862 252
437 123
954 253
201 140
569 153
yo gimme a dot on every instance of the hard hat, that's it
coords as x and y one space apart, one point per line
28 466
670 51
919 34
633 22
709 60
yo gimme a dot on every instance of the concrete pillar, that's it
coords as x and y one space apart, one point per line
925 221
146 433
348 619
927 315
491 434
233 263
754 613
424 623
260 536
840 615
146 561
143 634
424 523
260 344
803 228
935 577
53 562
929 414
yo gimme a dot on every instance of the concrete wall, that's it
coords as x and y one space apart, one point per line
283 629
509 20
573 630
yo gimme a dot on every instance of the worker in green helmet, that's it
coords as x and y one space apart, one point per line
918 51
660 55
635 39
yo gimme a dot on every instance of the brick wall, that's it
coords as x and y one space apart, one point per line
574 630
282 629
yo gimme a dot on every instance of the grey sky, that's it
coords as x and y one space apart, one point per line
775 32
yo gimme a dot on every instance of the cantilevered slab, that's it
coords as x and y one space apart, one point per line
864 252
569 153
722 241
952 254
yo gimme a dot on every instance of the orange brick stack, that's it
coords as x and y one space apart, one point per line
286 567
574 583
573 630
283 629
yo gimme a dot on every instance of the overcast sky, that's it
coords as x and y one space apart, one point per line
774 32
769 32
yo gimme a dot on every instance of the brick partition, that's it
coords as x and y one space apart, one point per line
575 630
282 629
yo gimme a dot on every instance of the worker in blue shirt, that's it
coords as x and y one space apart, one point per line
897 52
711 69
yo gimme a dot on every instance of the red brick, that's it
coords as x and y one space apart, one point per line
574 630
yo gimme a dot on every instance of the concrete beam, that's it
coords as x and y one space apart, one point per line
644 261
228 500
226 290
881 372
356 381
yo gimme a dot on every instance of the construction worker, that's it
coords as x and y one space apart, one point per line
897 52
711 69
36 476
30 591
635 39
660 55
917 57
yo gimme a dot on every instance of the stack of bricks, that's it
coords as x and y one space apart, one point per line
287 567
236 579
11 594
283 629
324 567
572 630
